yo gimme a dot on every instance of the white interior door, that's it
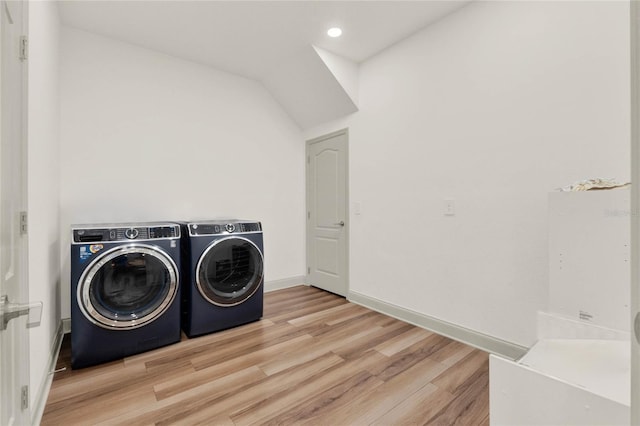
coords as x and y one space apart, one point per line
14 355
327 213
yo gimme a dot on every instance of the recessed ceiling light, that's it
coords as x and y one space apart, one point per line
334 32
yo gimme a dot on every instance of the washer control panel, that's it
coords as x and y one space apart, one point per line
125 233
131 233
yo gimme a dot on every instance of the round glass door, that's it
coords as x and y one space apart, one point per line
128 287
229 271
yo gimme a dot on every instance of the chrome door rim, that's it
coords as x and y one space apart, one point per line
84 300
199 284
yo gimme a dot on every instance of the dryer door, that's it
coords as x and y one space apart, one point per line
229 271
127 287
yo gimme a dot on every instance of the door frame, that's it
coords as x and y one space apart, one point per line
635 210
347 231
22 368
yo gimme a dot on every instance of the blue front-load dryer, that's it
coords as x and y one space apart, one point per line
125 290
223 271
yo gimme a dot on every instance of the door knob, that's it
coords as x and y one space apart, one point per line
9 311
341 223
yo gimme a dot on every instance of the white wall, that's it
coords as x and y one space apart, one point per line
344 71
146 136
494 106
308 88
43 186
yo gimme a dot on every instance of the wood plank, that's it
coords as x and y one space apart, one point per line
102 409
274 307
470 407
421 406
314 358
120 394
290 293
465 368
306 309
256 357
415 354
277 403
328 400
199 345
103 376
325 315
354 313
356 347
337 337
403 341
127 380
234 348
452 353
284 382
367 407
189 399
179 385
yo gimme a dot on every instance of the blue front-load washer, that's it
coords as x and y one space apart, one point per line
223 271
125 290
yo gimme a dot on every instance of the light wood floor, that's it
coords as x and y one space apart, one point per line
313 359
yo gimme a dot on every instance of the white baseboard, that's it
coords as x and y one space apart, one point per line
283 283
45 385
467 336
66 325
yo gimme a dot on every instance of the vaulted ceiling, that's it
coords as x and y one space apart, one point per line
262 39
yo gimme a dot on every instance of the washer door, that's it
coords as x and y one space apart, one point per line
229 271
128 287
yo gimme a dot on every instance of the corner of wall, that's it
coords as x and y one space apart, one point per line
473 338
284 283
344 71
308 89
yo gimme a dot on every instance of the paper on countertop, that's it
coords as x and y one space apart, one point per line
595 184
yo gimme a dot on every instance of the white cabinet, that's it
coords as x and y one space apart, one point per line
589 271
578 372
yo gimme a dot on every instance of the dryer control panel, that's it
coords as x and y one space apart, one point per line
125 233
224 227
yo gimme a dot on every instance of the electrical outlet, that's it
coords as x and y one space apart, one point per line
449 208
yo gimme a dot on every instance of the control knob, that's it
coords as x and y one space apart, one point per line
131 233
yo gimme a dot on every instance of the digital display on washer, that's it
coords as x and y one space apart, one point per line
163 232
206 229
250 227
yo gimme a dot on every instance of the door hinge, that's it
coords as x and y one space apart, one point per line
308 159
24 397
308 215
24 223
308 271
24 48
